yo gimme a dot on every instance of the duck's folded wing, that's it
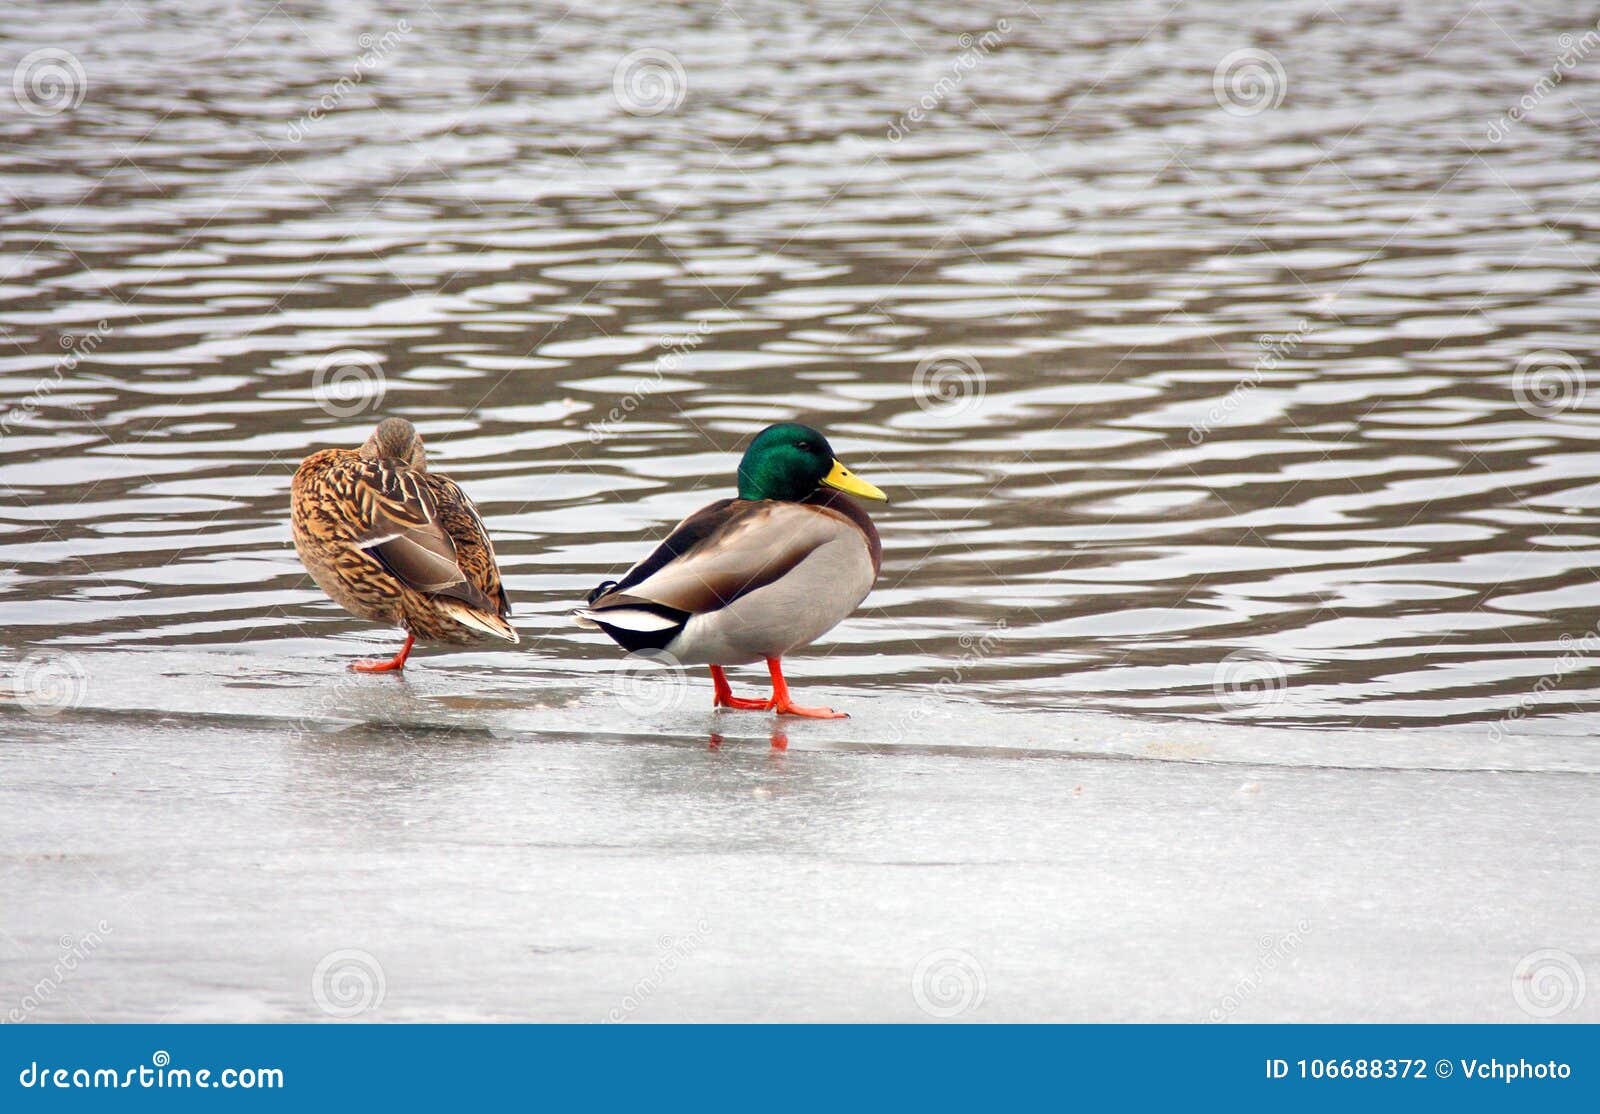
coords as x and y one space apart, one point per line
402 531
715 556
474 551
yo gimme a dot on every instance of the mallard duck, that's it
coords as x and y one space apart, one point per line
754 577
397 544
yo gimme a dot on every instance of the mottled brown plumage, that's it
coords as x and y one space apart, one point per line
393 543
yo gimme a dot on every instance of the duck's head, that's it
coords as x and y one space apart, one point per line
790 461
396 439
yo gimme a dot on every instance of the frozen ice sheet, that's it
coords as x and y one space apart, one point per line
538 855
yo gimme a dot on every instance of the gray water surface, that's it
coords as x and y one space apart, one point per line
1201 384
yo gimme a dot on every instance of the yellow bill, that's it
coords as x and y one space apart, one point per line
842 479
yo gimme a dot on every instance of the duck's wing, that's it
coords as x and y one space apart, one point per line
458 519
424 532
712 558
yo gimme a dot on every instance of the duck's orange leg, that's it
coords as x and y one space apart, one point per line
393 665
784 706
722 694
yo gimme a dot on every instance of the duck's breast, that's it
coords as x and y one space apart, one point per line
792 611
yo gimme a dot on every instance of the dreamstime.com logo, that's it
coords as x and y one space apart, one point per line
1575 655
1248 82
649 82
650 683
375 51
78 349
348 982
1271 951
158 1074
1548 983
332 704
48 82
973 52
1548 382
975 650
74 952
672 951
1274 350
49 683
348 384
1574 49
948 384
948 983
1249 679
674 349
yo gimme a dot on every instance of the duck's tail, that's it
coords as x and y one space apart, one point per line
632 623
492 625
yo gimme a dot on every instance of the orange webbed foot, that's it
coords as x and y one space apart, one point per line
808 713
393 665
781 703
722 695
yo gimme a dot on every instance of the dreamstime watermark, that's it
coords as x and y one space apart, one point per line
649 683
1248 82
50 682
375 52
333 704
1273 351
1270 952
1249 679
349 383
1574 49
1576 652
1548 983
48 82
671 951
158 1074
948 384
78 348
73 951
973 51
348 982
674 347
975 649
649 82
948 982
1548 382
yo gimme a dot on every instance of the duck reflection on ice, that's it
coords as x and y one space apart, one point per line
779 738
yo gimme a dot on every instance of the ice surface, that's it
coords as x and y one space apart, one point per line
530 852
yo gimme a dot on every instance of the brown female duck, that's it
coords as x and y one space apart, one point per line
392 542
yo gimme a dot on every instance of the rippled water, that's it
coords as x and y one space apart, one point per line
1254 400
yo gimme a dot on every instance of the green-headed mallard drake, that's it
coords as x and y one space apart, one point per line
752 578
397 544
